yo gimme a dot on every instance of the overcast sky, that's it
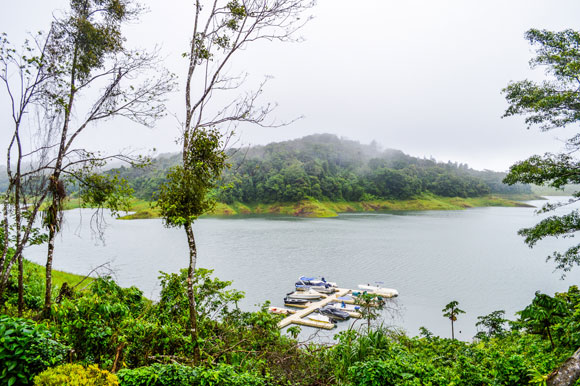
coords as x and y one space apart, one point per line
422 76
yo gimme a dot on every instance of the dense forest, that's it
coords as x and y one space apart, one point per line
326 167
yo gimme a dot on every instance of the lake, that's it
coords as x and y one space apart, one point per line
473 256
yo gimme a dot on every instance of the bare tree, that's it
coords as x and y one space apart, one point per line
221 28
87 76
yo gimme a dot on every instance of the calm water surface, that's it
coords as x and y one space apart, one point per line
432 257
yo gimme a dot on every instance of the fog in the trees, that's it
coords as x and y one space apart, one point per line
421 76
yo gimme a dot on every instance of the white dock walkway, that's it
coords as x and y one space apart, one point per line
297 318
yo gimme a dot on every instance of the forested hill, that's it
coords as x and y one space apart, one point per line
326 167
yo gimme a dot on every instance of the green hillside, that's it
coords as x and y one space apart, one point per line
326 168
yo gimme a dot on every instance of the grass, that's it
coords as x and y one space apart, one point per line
313 208
58 277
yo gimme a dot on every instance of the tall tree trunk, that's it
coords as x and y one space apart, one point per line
452 330
191 294
568 373
48 288
20 286
550 336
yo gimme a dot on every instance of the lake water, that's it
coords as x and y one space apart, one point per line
473 256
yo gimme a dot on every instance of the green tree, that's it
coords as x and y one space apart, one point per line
185 196
221 28
80 74
550 104
371 306
544 312
493 325
451 311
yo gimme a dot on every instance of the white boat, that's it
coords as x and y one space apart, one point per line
317 288
312 281
309 294
320 318
344 307
381 291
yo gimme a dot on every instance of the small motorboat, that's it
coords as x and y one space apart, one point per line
320 318
296 302
281 311
344 307
308 295
378 290
334 313
312 281
322 289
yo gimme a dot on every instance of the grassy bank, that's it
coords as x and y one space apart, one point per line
58 277
315 208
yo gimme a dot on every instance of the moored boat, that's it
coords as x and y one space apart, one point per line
334 313
281 311
302 303
308 294
344 307
381 291
320 318
317 288
312 281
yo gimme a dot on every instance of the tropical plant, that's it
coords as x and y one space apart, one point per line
493 324
451 311
540 316
75 375
26 349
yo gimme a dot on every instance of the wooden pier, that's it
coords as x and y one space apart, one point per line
298 316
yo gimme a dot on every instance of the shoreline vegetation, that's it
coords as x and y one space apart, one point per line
312 208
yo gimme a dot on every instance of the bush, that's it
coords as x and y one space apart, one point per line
76 375
174 374
25 350
95 323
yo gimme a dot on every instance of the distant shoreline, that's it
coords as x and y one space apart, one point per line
312 208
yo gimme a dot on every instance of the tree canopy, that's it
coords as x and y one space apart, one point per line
550 104
329 168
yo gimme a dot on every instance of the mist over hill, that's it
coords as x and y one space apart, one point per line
326 167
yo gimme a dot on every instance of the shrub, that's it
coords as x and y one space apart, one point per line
95 323
174 374
25 350
76 375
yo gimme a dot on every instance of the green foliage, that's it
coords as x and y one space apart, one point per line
174 374
25 350
550 104
240 348
97 322
542 314
383 357
451 311
76 375
184 196
493 325
326 168
396 371
105 191
95 34
371 306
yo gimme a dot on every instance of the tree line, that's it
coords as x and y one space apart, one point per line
326 167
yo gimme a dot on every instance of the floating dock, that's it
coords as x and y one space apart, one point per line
298 316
